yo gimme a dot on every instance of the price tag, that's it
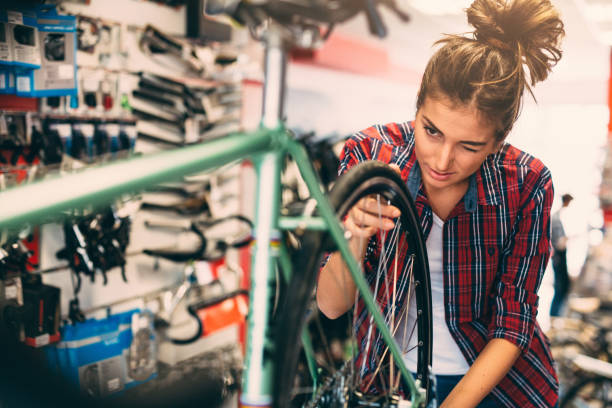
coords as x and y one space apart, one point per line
11 292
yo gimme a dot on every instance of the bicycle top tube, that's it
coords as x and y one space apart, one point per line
46 199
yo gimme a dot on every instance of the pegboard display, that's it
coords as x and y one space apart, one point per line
110 80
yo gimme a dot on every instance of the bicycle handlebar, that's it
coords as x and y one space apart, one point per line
288 12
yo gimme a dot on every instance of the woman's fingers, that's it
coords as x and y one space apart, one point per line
396 168
358 231
376 206
365 219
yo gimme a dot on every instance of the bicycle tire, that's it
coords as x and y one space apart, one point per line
575 396
364 179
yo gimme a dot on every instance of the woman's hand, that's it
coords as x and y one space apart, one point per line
371 214
335 286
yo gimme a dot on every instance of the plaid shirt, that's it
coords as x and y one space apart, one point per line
496 245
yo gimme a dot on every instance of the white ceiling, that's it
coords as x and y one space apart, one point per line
581 75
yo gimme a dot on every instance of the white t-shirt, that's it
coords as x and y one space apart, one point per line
447 358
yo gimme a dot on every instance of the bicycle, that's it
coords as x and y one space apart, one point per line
284 366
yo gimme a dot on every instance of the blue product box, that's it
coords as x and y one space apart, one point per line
57 41
106 356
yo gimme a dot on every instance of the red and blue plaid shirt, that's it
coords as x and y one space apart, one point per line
496 245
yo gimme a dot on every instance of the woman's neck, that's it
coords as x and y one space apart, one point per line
443 201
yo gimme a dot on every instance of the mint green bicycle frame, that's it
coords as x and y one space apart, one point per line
267 147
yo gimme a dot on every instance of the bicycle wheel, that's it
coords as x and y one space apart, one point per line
352 363
589 393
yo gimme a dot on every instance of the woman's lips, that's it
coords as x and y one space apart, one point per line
439 176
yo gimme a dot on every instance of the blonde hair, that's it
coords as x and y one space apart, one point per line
487 68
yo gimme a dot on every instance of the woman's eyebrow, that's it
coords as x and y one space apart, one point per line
466 142
431 125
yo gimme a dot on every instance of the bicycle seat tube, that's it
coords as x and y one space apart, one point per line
257 382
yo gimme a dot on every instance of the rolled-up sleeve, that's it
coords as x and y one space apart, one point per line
514 296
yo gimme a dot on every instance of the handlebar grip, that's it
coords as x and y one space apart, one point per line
375 21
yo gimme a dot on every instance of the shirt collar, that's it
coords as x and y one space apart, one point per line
487 195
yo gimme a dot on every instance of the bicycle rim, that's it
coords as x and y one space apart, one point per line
353 365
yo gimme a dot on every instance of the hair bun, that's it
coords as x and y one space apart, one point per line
530 28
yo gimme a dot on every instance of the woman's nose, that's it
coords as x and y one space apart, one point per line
445 158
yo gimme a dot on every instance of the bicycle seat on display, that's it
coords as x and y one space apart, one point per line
296 12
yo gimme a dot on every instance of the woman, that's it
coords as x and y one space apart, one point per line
484 207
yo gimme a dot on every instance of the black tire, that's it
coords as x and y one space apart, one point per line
593 392
299 308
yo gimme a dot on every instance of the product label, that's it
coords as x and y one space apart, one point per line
65 71
5 50
2 81
112 129
14 17
42 340
11 292
5 54
63 129
87 129
114 384
24 84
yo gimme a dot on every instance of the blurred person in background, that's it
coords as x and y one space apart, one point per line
558 240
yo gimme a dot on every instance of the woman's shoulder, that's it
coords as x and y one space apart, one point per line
519 166
389 136
390 143
391 133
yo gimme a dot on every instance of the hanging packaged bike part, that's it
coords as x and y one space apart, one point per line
39 316
128 133
57 73
223 311
63 128
11 295
23 39
82 140
105 356
6 53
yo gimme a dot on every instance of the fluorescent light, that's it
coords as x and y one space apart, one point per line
440 7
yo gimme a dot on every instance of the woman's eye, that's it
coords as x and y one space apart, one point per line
430 131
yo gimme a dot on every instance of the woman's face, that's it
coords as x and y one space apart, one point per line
451 142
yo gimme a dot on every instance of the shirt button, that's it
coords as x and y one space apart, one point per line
491 251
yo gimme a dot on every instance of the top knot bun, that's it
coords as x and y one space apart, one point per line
531 29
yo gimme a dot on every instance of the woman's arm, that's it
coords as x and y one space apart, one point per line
492 364
335 286
515 297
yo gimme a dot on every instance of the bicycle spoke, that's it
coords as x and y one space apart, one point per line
369 373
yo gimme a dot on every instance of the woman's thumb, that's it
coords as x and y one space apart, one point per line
396 168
